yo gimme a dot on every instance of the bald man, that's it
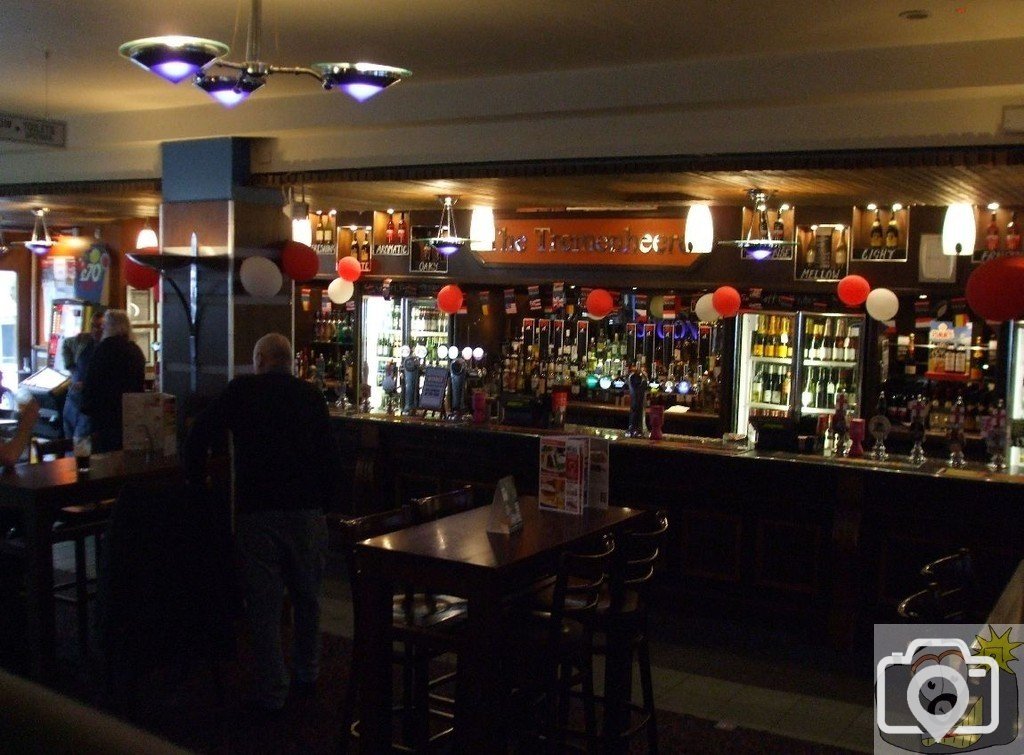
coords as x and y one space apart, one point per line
286 475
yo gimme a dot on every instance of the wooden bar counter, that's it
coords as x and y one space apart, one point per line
823 545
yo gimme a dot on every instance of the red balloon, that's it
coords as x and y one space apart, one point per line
726 301
449 299
140 276
349 269
853 290
995 290
599 303
299 261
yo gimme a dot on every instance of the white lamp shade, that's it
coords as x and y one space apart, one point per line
959 230
302 231
147 239
481 230
699 237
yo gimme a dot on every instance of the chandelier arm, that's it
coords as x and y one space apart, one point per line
296 70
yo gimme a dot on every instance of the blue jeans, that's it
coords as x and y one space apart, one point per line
282 549
76 424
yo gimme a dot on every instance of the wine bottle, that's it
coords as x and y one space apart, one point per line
784 391
319 234
830 390
841 252
810 390
779 228
755 386
389 231
876 236
992 234
1012 234
400 232
892 233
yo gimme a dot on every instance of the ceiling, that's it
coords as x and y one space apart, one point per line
59 60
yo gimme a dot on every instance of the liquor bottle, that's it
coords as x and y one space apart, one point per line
830 390
784 350
389 231
992 234
810 256
892 233
825 348
839 346
849 346
876 236
977 352
841 252
319 234
784 391
353 248
756 388
1012 234
950 359
400 232
960 360
821 396
810 390
364 247
329 230
779 228
757 345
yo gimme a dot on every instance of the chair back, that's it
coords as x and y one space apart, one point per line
644 547
353 530
578 582
432 507
955 585
921 607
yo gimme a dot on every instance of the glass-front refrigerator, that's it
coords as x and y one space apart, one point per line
829 362
395 328
766 367
1015 397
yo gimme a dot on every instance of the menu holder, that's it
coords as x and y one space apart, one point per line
434 388
505 518
573 474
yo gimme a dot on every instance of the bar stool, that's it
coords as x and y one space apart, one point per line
422 636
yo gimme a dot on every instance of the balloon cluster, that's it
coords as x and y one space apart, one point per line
723 302
881 303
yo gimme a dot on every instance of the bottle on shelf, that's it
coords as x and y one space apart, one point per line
1012 234
400 232
318 235
810 253
389 231
756 387
892 232
876 236
779 228
841 249
992 234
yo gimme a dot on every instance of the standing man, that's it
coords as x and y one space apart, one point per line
117 366
285 470
77 353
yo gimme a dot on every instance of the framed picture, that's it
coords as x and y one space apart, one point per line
933 265
144 338
140 305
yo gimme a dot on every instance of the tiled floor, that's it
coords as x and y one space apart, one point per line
839 719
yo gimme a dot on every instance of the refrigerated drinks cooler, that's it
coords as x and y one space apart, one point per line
1015 394
391 324
791 366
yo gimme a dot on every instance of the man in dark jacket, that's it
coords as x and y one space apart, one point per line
117 366
285 470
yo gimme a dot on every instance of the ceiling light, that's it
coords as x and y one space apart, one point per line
447 240
40 244
699 234
762 245
298 213
959 231
175 58
481 230
147 238
4 248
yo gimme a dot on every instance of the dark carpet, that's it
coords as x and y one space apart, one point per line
188 710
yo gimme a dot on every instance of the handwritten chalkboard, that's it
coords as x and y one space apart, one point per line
435 383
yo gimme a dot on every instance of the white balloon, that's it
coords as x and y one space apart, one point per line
882 304
260 277
340 290
705 309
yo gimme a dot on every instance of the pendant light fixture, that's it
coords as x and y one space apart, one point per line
699 234
761 244
298 212
959 231
446 240
176 58
40 243
481 230
147 238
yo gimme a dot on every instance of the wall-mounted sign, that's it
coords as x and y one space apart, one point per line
391 250
91 279
767 253
636 242
880 254
17 128
822 254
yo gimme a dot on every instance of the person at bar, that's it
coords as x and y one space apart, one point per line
116 367
286 475
78 351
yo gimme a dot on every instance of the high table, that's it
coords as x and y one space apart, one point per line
39 492
456 555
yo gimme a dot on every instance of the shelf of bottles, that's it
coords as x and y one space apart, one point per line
829 362
331 341
766 366
394 329
591 361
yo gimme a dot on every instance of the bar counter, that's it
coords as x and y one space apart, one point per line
822 544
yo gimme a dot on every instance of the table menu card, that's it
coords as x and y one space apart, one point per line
506 517
573 473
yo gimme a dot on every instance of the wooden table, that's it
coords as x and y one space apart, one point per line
38 492
456 555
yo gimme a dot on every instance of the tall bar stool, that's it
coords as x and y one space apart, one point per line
421 636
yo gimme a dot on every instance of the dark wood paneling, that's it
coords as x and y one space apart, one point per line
788 556
711 543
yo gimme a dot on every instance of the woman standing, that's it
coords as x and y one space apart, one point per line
117 367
